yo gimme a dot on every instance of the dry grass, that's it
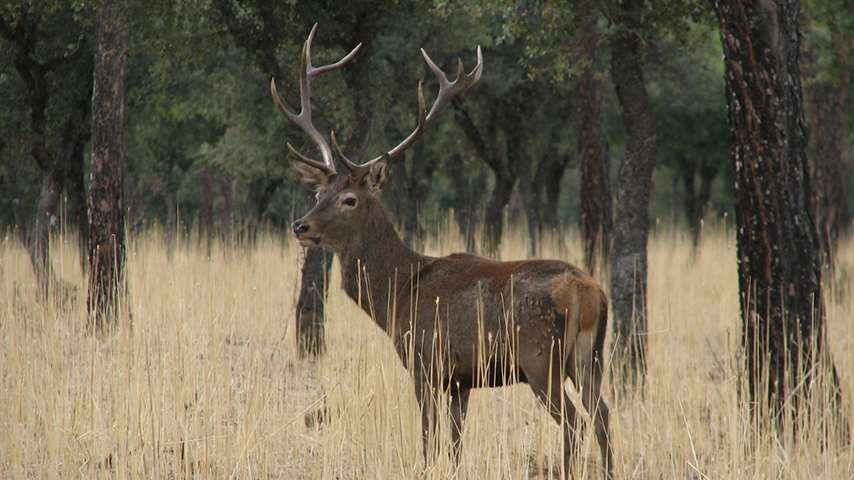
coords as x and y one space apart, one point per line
207 383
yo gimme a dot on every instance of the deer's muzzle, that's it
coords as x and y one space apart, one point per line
304 234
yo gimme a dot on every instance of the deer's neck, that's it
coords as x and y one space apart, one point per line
377 266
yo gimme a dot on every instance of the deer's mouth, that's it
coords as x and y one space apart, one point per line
307 241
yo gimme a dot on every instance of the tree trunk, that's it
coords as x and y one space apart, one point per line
593 153
468 190
707 177
76 189
23 35
357 75
493 217
530 201
695 201
69 163
689 198
505 179
405 203
410 189
549 175
779 266
631 226
34 78
312 299
66 169
107 287
18 216
227 229
518 156
206 185
171 230
260 193
40 242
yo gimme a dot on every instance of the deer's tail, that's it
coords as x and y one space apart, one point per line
586 309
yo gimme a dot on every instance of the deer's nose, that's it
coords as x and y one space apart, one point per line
299 227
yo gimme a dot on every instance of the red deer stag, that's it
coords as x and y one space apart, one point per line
460 321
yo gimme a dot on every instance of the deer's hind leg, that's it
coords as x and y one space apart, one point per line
588 380
545 374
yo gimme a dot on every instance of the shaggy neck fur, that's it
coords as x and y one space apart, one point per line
377 265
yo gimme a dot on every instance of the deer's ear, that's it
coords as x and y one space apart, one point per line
313 178
377 175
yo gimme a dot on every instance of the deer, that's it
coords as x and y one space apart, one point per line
457 322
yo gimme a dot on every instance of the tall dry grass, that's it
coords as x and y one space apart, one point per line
206 382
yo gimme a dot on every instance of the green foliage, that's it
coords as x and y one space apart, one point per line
46 72
199 71
829 37
692 116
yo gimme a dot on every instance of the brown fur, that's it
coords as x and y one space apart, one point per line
578 296
458 322
542 321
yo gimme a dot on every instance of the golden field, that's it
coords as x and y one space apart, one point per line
207 382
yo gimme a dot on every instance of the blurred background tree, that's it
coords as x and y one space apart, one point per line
47 77
550 138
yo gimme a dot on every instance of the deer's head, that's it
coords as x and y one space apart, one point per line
347 203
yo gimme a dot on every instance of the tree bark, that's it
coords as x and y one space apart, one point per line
171 230
517 155
65 169
410 188
34 78
493 216
76 189
549 174
227 182
40 242
261 191
206 186
779 266
311 304
631 226
593 153
695 202
468 190
22 32
505 178
107 287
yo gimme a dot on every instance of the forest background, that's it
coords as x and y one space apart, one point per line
607 119
205 148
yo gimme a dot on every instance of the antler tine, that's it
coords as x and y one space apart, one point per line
447 91
344 160
303 120
304 159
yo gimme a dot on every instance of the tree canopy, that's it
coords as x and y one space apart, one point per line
199 107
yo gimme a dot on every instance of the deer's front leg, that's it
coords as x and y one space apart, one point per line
459 405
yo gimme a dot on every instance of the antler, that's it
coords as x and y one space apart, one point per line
447 91
303 120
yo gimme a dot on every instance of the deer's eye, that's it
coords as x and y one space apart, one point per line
349 201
